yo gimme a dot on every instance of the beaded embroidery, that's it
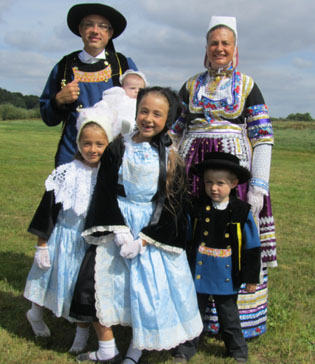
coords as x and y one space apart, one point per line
217 253
103 75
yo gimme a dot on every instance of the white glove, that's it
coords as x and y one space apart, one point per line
41 257
256 199
123 237
132 249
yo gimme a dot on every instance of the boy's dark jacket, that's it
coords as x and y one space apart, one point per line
245 270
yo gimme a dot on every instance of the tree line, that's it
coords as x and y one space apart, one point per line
14 105
17 99
295 117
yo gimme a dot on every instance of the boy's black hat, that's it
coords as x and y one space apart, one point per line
79 11
224 161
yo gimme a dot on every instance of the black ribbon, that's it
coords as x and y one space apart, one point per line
161 141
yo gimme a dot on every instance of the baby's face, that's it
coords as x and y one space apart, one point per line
132 84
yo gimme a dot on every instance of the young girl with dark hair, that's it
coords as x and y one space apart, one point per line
136 272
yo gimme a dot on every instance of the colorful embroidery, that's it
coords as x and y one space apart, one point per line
218 253
240 86
100 76
259 183
259 126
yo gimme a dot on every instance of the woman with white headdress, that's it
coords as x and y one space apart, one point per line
224 111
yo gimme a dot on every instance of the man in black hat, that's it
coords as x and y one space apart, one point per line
80 78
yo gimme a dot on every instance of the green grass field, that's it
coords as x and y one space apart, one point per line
27 151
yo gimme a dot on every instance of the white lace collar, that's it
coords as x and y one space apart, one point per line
220 205
73 184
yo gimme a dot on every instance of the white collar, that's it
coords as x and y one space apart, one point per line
220 205
73 184
85 57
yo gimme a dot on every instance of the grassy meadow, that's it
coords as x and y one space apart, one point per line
27 151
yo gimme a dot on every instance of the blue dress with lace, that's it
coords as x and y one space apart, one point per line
53 288
153 292
73 184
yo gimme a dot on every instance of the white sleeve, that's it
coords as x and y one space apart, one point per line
261 168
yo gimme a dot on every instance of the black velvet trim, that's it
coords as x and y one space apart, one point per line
104 209
251 265
45 216
83 299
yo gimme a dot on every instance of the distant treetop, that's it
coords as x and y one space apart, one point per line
300 117
19 100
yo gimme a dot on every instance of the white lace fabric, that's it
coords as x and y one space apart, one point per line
73 184
162 246
261 168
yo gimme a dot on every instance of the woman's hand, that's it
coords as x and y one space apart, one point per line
256 200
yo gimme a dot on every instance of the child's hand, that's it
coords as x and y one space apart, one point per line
250 287
123 237
131 250
41 257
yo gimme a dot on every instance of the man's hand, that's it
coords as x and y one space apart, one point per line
68 94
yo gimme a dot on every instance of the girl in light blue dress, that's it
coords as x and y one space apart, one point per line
136 225
59 222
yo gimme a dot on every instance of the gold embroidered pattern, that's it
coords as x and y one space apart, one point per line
217 253
103 75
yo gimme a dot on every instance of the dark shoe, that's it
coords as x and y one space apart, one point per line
86 357
240 360
136 362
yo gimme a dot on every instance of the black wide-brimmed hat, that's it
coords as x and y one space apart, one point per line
225 161
79 11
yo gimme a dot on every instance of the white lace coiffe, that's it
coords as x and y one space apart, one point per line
73 184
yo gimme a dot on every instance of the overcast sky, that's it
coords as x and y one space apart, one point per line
166 39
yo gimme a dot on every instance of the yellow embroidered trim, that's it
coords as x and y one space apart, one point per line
262 141
218 253
239 238
267 236
103 75
212 87
119 65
